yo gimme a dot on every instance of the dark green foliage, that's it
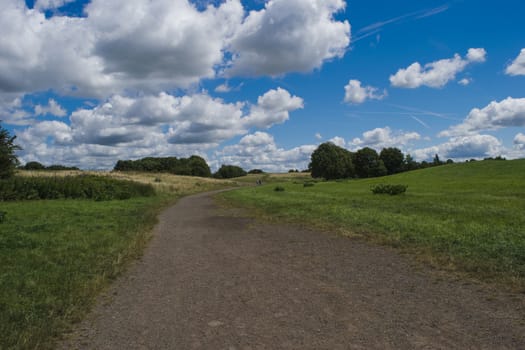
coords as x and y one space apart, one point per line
256 171
34 166
436 161
393 159
497 158
331 162
308 184
389 189
368 164
410 163
278 189
54 167
58 167
229 172
198 167
2 216
192 166
71 187
8 159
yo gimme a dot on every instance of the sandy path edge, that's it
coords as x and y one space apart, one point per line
211 280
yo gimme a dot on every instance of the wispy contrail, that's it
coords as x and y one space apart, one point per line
420 121
375 28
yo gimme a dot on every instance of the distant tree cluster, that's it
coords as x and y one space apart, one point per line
333 162
229 172
40 166
192 166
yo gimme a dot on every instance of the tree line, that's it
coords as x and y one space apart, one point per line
330 162
192 166
39 166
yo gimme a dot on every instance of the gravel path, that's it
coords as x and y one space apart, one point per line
212 280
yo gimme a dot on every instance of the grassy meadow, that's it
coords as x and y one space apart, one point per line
57 255
466 217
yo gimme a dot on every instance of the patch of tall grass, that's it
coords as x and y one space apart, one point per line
71 187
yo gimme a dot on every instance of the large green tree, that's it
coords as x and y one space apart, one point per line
229 172
331 162
8 159
199 167
393 159
368 164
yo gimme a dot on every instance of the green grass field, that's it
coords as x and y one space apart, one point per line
467 217
57 255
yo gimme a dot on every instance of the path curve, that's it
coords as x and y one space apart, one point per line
213 280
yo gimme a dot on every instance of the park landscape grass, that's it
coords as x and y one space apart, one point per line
57 255
465 217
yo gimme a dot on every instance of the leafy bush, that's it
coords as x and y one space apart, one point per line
2 216
229 172
308 184
71 187
389 189
278 189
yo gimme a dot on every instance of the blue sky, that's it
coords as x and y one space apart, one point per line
261 83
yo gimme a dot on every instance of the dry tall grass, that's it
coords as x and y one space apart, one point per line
163 183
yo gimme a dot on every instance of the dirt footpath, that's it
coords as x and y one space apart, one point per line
210 280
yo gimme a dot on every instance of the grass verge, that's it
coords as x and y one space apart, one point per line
57 255
466 217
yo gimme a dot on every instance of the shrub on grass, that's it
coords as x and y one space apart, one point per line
308 184
229 172
278 189
2 216
72 187
389 189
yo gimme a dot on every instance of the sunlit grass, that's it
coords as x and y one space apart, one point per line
463 216
57 255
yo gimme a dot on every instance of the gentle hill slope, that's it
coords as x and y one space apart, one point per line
464 216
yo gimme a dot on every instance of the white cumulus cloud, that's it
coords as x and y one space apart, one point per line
151 125
507 113
272 108
161 45
517 67
53 108
338 141
50 4
462 148
149 46
259 151
519 141
435 74
380 138
289 36
356 94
